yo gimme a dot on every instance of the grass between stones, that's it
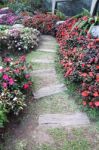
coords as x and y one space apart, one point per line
57 103
75 139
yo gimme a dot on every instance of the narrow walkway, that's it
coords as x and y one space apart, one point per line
52 108
48 44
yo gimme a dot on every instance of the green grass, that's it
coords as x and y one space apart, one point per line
70 139
46 147
57 103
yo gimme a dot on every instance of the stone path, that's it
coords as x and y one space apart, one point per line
52 106
48 44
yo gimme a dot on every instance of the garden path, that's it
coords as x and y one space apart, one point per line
54 115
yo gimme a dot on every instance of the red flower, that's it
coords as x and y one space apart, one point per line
97 67
95 94
85 93
91 104
83 65
26 86
84 74
91 74
97 77
97 103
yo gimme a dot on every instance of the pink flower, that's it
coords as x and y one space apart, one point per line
5 77
27 76
17 71
7 69
11 81
23 58
4 85
7 59
26 86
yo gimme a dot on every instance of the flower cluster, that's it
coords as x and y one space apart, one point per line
8 17
45 23
19 40
14 83
80 60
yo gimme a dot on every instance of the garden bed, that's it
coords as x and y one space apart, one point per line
79 58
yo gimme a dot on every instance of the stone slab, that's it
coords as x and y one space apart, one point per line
49 90
43 71
65 120
45 61
48 37
46 50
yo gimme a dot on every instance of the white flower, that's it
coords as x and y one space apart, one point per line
1 67
15 99
11 63
2 94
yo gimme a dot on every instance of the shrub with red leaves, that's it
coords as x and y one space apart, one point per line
45 23
80 60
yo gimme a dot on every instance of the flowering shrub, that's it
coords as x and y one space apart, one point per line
19 40
8 17
45 23
80 60
6 10
14 84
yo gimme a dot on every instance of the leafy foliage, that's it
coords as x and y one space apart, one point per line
80 58
18 39
14 83
45 23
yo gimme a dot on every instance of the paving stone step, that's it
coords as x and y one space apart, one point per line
49 90
45 61
71 120
43 71
48 43
47 37
46 50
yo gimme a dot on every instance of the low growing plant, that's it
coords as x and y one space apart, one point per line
15 81
45 23
80 60
19 40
